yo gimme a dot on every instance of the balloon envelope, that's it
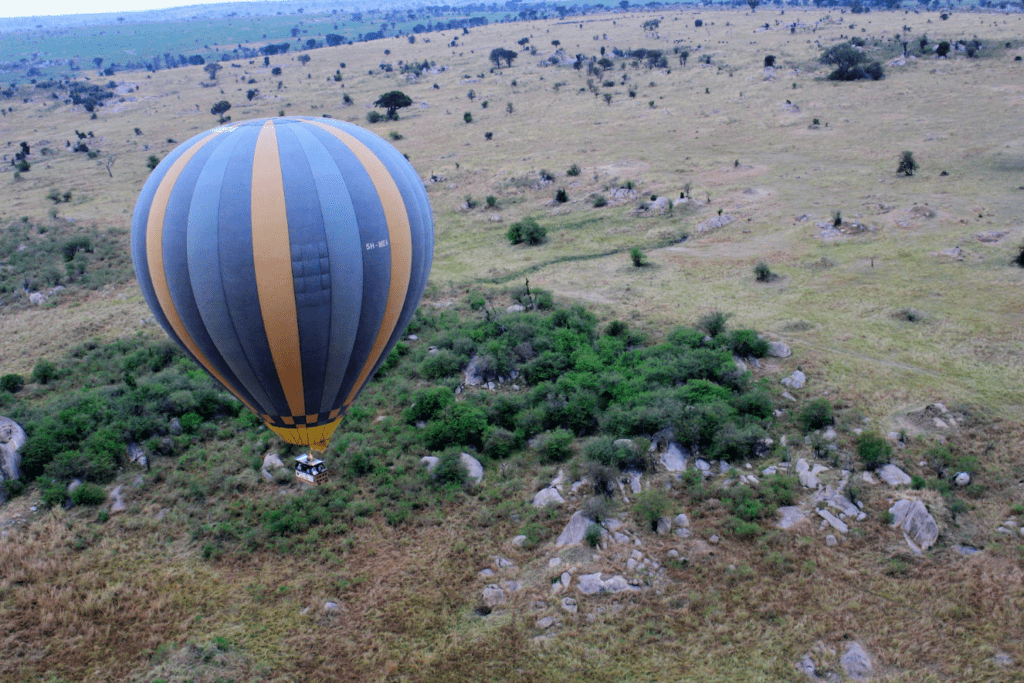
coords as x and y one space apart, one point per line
286 256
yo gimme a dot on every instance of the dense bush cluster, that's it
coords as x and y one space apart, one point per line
851 64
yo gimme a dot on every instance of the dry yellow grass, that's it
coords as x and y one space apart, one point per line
134 602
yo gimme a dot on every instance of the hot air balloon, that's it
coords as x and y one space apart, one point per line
286 256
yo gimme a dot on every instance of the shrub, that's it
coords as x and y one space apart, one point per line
501 443
561 196
556 445
440 364
599 200
943 48
651 505
1018 260
769 60
873 450
526 230
817 414
428 404
152 162
713 323
12 383
89 494
762 272
592 535
374 117
459 425
190 422
907 164
491 201
574 170
52 492
637 256
449 470
467 117
747 343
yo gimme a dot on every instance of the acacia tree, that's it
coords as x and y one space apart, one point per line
907 163
219 109
500 54
392 102
212 68
753 4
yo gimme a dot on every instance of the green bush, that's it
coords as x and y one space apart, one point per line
43 372
374 116
574 170
762 272
747 343
637 256
89 494
428 404
556 445
651 505
501 443
460 424
52 492
12 383
816 414
526 230
449 470
592 535
561 196
713 323
190 422
873 450
441 364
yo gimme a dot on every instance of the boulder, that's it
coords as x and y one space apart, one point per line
855 662
38 298
117 501
547 496
474 470
894 476
796 380
714 223
429 461
473 375
919 527
272 461
664 526
12 438
137 454
174 427
681 520
833 521
493 596
569 605
590 584
779 350
790 516
962 479
674 458
574 530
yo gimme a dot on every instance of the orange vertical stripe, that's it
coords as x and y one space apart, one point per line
155 258
399 237
275 285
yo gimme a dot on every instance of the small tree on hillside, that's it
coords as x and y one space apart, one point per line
848 61
500 54
769 60
219 109
907 163
392 102
212 68
753 4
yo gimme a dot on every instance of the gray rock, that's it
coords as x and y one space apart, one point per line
117 501
894 476
569 605
617 584
836 523
868 478
1002 659
174 427
574 530
272 461
664 526
779 350
831 541
806 666
565 579
796 380
703 465
855 662
474 470
916 522
681 520
519 541
590 584
493 596
675 456
37 298
485 573
545 622
12 438
75 483
516 308
714 223
473 375
331 606
634 480
790 516
829 434
429 461
137 454
962 479
547 496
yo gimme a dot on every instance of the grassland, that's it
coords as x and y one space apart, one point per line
72 587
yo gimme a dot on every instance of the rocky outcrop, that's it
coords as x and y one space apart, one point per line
919 527
12 438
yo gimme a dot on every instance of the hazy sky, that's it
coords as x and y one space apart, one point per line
13 8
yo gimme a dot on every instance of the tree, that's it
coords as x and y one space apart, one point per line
212 68
769 61
467 117
250 94
907 163
304 59
219 109
392 102
98 61
753 4
943 49
108 163
848 59
500 54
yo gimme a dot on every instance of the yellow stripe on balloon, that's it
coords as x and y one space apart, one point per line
316 437
399 237
272 256
155 257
